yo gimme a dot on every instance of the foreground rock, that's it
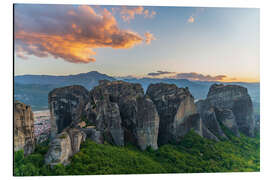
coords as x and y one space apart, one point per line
122 112
23 128
174 106
66 107
64 145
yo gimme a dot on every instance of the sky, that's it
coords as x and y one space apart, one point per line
207 44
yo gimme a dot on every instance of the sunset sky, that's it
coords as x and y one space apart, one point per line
209 44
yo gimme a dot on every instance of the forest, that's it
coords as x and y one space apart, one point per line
193 154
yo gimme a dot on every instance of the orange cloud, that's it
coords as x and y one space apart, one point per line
196 13
149 37
191 19
128 13
70 33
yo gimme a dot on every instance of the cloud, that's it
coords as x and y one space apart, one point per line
69 32
128 13
191 19
197 12
198 77
149 37
158 73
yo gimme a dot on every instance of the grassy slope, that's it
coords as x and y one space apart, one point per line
194 154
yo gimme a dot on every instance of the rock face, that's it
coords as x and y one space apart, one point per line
64 145
174 106
236 99
210 120
93 134
23 128
230 105
124 114
66 107
227 118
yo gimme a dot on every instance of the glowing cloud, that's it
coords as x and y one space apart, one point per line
191 19
69 32
128 13
149 37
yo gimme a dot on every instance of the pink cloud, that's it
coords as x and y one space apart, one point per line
69 32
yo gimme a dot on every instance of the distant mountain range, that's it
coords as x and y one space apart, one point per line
87 80
34 89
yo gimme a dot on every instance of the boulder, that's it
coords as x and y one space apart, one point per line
64 145
23 128
59 150
174 106
66 107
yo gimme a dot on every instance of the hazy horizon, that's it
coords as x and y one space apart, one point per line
205 44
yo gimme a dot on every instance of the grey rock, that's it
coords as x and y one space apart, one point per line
118 109
211 122
147 123
237 99
66 107
227 118
93 134
174 106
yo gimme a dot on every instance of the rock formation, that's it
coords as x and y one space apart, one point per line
174 106
23 128
66 107
64 145
237 99
120 113
232 106
124 114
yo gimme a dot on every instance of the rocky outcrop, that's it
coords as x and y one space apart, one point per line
236 99
227 118
174 106
23 128
147 123
66 107
64 145
93 134
209 119
208 134
124 114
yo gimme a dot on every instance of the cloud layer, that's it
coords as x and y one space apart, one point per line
199 77
193 76
69 32
158 73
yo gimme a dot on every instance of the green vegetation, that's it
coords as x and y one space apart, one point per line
192 155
